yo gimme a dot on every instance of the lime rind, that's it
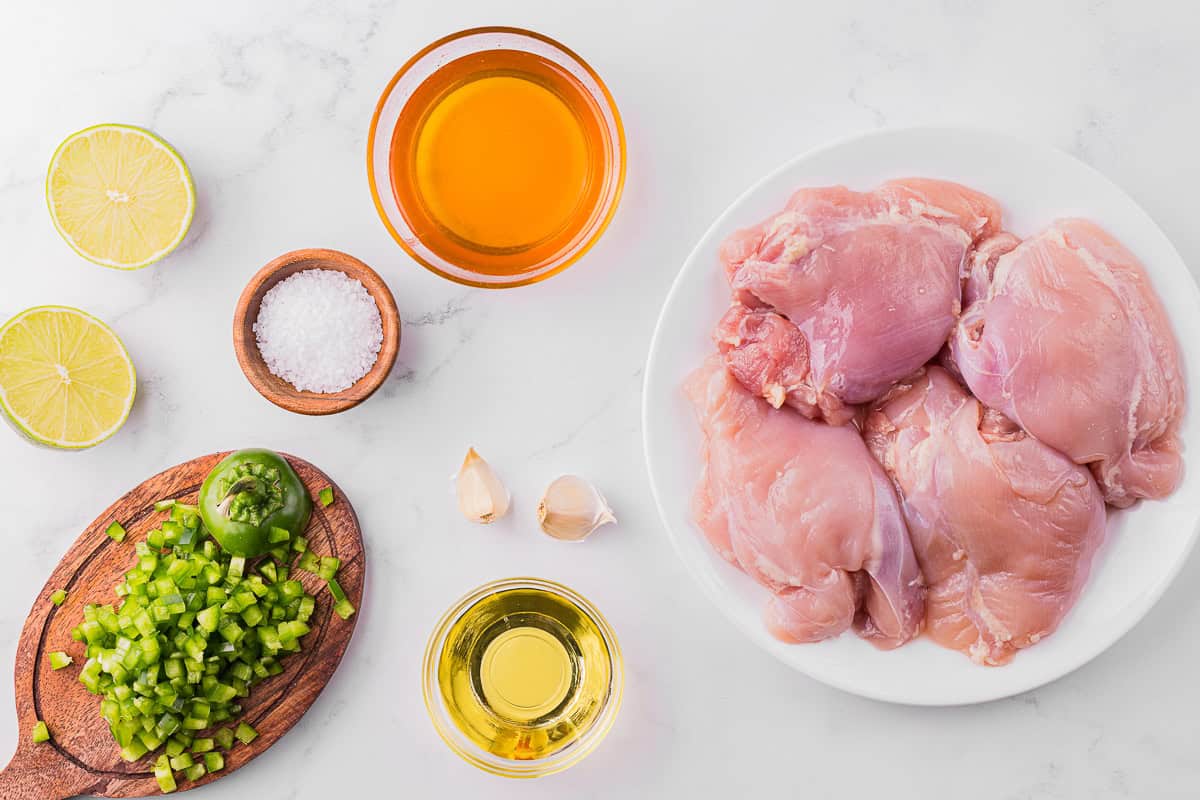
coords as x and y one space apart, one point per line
22 427
185 176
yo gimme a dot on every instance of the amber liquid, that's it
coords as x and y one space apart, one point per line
499 160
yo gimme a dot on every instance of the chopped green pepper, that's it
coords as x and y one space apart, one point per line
134 750
209 619
326 496
344 609
245 734
59 659
329 566
248 494
309 562
162 774
193 632
224 738
342 605
58 596
308 604
116 531
40 732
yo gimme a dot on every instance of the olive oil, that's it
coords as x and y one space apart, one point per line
499 161
525 672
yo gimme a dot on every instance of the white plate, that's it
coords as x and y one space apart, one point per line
1146 546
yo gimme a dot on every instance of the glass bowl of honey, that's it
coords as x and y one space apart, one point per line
496 157
522 677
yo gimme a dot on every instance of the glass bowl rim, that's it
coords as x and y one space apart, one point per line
588 741
605 98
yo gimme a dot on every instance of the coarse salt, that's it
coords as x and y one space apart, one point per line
319 330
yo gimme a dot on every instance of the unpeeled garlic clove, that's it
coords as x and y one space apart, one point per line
482 497
571 509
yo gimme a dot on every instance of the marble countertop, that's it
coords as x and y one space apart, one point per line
270 102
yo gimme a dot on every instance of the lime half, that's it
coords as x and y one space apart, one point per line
119 195
66 381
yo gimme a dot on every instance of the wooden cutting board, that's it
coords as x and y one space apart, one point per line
81 757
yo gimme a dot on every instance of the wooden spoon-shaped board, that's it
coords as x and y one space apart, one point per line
81 757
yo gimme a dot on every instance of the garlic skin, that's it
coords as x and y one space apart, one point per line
571 509
482 498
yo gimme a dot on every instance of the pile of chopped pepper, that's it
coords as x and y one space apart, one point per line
196 628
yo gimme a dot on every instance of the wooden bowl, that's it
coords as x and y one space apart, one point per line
276 389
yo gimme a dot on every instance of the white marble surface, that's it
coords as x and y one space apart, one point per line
269 103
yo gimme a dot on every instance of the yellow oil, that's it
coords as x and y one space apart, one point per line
524 673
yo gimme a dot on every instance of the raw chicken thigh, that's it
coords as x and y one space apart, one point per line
981 266
1003 526
1069 341
803 509
863 484
843 293
768 353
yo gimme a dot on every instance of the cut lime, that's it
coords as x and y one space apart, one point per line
66 380
119 195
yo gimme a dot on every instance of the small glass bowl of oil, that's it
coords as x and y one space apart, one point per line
496 157
523 677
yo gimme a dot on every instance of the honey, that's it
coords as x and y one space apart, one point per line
499 161
524 672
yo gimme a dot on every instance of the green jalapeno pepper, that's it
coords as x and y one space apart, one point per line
248 494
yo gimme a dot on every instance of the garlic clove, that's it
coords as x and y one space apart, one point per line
571 509
482 497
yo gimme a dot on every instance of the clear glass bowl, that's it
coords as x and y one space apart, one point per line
472 753
413 74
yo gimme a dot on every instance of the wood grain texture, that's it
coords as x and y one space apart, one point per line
279 391
82 757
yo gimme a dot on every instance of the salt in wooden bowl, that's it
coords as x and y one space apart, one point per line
276 389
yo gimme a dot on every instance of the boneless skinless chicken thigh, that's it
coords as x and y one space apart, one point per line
865 486
1003 526
1067 339
843 293
804 509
